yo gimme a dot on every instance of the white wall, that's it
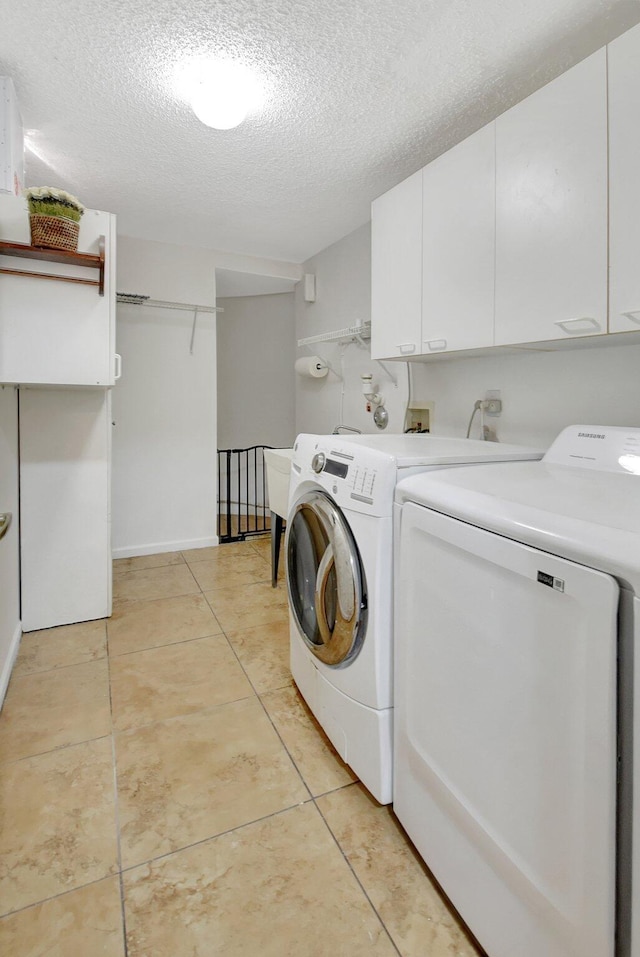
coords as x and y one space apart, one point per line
256 381
164 407
10 630
542 392
343 296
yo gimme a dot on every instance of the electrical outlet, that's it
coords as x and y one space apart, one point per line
492 404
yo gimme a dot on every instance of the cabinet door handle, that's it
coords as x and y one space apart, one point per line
5 522
633 315
435 345
117 367
406 347
573 327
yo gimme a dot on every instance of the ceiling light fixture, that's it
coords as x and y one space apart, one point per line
223 94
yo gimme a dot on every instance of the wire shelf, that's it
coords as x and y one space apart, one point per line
135 299
347 334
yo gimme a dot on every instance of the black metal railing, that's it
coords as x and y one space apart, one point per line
243 506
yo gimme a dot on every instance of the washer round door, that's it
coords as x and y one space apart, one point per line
325 580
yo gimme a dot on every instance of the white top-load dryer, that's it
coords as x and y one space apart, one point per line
339 561
517 722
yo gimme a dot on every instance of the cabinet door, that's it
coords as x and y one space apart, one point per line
551 210
624 182
458 191
52 332
65 452
396 270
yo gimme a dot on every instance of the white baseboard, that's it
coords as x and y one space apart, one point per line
132 551
7 667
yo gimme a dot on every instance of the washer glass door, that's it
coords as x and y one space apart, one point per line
325 579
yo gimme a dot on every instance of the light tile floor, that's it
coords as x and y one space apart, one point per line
165 792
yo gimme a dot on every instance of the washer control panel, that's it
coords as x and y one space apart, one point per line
359 479
363 482
333 467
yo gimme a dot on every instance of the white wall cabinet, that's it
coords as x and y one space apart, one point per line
458 246
396 271
624 182
551 210
54 332
65 520
514 242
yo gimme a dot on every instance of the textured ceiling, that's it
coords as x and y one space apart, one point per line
359 95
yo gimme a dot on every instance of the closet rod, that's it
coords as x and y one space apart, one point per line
134 299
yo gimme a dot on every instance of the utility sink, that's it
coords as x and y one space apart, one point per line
278 463
278 466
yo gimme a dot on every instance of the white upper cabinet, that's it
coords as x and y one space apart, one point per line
624 182
458 251
396 271
551 210
54 332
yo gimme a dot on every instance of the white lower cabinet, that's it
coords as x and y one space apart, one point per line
551 210
65 446
458 246
624 182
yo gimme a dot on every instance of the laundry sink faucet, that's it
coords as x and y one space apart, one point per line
345 428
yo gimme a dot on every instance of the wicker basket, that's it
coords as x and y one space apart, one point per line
54 232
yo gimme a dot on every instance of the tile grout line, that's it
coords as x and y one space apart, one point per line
60 668
62 747
181 716
53 897
116 810
168 644
47 671
351 868
214 837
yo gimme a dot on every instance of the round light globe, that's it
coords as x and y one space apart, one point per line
224 95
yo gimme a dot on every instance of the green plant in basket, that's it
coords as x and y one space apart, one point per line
47 201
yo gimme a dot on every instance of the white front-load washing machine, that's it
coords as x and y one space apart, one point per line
517 722
339 564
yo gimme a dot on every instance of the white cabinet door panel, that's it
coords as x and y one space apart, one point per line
396 270
459 246
624 182
65 448
551 210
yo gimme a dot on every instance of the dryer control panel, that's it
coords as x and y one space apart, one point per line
605 448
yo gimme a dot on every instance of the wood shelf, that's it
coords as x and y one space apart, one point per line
42 254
